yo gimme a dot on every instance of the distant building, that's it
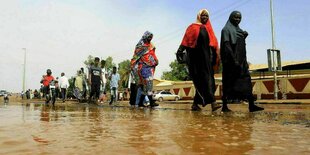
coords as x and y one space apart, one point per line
293 82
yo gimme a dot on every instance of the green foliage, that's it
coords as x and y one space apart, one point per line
124 71
220 69
109 64
178 72
70 88
89 60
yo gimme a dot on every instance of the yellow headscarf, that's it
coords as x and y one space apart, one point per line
198 20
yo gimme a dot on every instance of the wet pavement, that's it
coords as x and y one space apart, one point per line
69 128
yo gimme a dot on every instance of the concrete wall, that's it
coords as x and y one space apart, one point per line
289 88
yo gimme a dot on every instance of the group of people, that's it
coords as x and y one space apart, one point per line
58 85
203 55
30 94
94 83
97 79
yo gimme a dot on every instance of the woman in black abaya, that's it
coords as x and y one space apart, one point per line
236 76
201 45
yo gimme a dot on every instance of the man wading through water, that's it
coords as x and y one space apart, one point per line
94 79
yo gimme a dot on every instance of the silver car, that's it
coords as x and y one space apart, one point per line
166 96
2 92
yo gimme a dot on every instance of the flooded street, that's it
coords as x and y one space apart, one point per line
169 129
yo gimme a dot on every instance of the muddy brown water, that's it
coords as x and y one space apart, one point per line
33 128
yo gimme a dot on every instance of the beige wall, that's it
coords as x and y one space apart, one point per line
289 87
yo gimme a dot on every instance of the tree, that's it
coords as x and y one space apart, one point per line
70 88
90 59
179 72
124 71
108 64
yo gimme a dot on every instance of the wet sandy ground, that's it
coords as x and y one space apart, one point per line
69 128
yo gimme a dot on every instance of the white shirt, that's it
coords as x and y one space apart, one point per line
114 80
63 82
104 73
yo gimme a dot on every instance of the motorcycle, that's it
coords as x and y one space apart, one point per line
51 95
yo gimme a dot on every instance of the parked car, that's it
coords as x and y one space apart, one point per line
165 96
2 92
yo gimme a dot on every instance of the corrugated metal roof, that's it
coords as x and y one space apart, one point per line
253 67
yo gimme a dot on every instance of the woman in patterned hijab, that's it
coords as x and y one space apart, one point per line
143 66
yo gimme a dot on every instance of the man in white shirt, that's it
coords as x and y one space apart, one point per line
63 84
104 77
114 85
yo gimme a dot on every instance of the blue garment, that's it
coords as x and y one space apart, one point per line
114 80
139 93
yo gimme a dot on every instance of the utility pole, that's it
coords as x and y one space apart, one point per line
273 53
24 70
274 58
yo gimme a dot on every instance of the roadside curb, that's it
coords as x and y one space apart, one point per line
295 102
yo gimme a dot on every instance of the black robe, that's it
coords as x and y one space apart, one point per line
200 64
236 77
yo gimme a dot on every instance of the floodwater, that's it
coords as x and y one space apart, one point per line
169 129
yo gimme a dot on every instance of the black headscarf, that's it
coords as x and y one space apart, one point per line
231 32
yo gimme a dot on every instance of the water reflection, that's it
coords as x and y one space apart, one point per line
90 129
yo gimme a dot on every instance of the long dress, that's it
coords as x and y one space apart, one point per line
201 70
236 76
143 64
236 79
78 87
203 54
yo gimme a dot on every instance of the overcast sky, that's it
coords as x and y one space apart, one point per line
60 34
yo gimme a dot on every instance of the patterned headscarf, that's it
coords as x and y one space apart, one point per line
146 35
141 48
